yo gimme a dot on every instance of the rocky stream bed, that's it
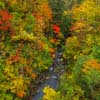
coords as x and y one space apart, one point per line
51 76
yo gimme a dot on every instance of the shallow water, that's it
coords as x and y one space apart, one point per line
52 82
53 78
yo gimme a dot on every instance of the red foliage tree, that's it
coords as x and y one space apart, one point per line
5 20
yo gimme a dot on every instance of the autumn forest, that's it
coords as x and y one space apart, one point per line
49 50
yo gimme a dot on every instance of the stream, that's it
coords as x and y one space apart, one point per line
54 74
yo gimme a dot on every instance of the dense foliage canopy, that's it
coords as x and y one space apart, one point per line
30 33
